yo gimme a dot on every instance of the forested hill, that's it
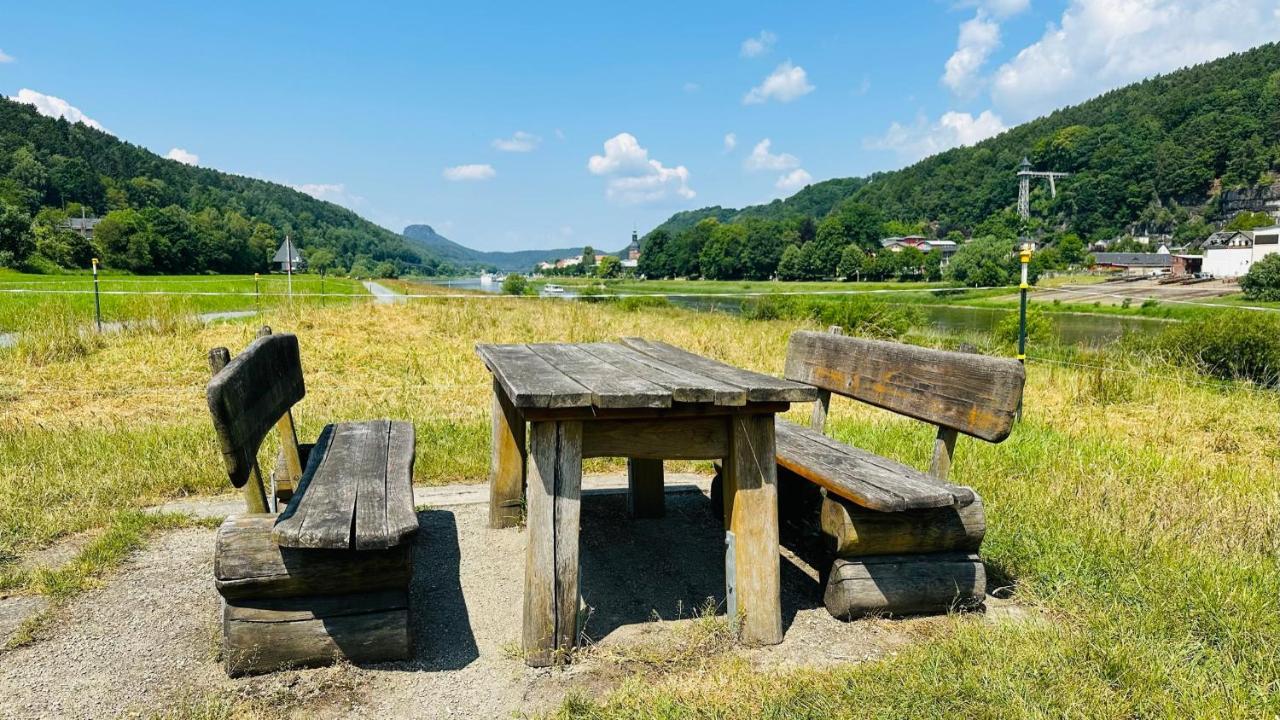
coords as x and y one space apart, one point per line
1156 153
160 215
439 246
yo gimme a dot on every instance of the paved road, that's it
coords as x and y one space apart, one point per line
382 293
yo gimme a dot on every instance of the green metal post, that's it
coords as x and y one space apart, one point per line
257 297
1024 255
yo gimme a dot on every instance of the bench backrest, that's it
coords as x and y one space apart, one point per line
973 394
250 395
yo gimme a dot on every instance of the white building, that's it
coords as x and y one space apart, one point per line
1231 253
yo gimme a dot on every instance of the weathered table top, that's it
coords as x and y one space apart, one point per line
635 373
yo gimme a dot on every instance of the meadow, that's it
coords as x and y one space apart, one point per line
1136 507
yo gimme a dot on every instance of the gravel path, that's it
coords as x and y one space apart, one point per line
148 637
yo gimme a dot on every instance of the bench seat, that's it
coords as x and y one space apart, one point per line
862 477
356 491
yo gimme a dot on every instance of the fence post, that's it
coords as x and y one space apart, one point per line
97 301
257 299
1024 255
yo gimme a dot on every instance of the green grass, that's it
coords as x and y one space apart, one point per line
1136 509
29 301
713 287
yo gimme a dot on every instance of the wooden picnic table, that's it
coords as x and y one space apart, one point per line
646 401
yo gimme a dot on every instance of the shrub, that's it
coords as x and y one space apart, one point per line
1041 329
643 302
515 284
1262 282
1234 345
857 315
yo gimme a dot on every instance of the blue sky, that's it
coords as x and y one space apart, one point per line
518 125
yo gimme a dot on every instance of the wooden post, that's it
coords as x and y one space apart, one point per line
551 596
944 448
645 498
818 421
506 462
751 512
288 436
255 494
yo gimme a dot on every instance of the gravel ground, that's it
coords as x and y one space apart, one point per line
147 639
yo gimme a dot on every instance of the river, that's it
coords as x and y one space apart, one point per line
1083 329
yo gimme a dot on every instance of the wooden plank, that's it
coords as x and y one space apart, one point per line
402 517
905 584
247 397
248 563
974 394
677 410
368 472
683 385
867 479
373 636
506 461
695 438
290 521
539 628
759 387
610 387
254 491
645 496
329 497
750 490
851 530
315 607
529 380
288 470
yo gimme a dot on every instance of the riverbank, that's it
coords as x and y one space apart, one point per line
1099 505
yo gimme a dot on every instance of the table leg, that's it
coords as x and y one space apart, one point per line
751 514
506 462
645 497
551 595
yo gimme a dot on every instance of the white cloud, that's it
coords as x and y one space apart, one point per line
182 156
999 8
5 57
923 138
691 87
559 134
56 107
473 172
863 87
793 180
784 84
761 159
1102 44
331 192
634 178
978 38
758 45
730 142
520 142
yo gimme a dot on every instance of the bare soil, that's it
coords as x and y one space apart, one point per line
146 641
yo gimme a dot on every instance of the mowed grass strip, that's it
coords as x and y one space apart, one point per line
1136 508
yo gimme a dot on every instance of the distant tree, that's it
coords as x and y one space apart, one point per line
687 248
933 265
321 260
59 243
1262 282
123 237
16 241
983 262
1071 249
385 269
910 264
761 248
588 259
608 267
815 260
655 258
901 228
515 284
852 261
789 267
1005 225
721 256
363 267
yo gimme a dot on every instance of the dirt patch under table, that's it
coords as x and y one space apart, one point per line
147 639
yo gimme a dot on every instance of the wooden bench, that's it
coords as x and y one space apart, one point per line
328 577
904 541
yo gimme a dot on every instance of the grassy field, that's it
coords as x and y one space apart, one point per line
714 287
1138 508
33 301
